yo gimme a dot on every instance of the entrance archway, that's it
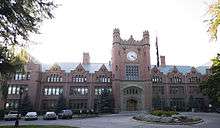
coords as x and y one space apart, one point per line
131 105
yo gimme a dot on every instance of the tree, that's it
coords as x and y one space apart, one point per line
19 18
191 102
214 19
61 103
210 86
157 102
9 64
26 104
106 101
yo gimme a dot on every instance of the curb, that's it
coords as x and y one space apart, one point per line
161 123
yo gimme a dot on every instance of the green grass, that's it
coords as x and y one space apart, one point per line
38 126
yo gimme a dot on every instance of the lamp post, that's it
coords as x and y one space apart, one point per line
21 91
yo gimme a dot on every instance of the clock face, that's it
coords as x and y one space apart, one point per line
132 56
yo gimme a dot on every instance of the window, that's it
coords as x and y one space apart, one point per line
79 91
194 90
176 90
14 89
54 78
11 104
78 104
49 104
194 80
100 90
104 79
156 79
158 90
177 103
132 91
79 78
53 91
131 72
175 79
22 76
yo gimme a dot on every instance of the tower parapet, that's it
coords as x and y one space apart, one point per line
116 36
146 37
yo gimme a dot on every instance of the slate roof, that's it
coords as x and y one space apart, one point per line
92 67
183 69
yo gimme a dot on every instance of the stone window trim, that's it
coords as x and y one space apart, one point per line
132 72
22 76
79 78
103 78
79 91
52 91
14 89
156 79
176 90
100 89
194 79
54 78
176 80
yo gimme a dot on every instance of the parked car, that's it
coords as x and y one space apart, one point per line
50 116
12 115
31 116
65 114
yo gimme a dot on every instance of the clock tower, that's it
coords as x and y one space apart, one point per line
131 72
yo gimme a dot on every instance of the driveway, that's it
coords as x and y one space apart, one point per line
211 120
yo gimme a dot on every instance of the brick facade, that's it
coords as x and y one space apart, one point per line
133 81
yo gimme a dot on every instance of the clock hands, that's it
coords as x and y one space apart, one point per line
133 56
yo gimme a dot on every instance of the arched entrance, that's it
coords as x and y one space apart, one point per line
132 99
131 105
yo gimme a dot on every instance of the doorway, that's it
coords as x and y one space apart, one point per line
131 105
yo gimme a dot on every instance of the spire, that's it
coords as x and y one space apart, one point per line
158 63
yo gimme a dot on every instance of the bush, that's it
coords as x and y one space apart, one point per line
163 113
2 113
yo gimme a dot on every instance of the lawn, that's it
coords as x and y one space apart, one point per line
38 126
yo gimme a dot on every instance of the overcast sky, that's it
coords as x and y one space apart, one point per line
87 25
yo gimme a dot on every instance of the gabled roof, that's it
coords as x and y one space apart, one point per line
183 69
92 67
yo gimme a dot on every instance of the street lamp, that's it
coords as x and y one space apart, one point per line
21 91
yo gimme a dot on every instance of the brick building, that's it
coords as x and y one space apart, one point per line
135 83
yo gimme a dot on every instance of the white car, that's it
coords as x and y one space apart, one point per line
50 116
31 116
12 115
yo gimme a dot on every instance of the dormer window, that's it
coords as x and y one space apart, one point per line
156 79
194 79
54 78
104 79
79 78
176 79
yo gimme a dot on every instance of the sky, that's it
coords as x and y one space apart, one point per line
87 26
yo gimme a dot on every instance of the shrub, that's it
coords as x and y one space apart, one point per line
2 113
163 113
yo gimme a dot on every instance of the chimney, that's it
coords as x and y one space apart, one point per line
163 61
86 58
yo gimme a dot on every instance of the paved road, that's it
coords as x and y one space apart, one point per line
211 120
